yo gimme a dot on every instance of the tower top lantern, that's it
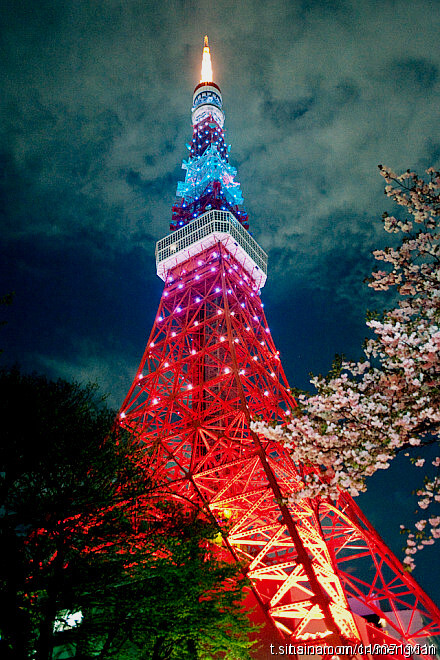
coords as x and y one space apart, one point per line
206 63
207 98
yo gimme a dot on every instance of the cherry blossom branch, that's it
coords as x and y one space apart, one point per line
363 415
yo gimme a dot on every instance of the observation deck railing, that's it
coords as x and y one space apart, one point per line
212 227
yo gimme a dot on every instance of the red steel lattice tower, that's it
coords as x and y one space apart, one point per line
320 572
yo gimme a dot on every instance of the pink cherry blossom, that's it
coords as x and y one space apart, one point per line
364 413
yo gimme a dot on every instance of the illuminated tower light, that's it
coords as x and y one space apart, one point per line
295 614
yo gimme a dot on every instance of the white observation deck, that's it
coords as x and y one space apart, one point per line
209 229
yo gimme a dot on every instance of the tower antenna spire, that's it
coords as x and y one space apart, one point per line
206 63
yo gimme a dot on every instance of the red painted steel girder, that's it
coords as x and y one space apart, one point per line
211 366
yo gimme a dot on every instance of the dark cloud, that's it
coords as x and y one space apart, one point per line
415 74
283 113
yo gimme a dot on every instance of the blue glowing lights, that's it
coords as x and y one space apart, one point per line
203 171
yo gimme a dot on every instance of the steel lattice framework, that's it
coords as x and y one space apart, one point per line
319 570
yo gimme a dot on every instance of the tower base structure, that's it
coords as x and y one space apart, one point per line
322 578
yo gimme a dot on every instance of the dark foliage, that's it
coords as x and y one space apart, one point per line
81 532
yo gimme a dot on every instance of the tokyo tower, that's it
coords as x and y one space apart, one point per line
320 573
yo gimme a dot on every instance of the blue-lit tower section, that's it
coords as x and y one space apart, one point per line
210 179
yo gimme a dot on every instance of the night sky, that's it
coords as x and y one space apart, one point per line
95 114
